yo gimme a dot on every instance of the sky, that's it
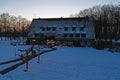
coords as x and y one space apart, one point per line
48 8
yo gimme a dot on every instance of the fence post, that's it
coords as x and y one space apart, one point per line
15 48
26 60
38 54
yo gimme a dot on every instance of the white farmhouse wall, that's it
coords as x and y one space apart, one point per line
76 28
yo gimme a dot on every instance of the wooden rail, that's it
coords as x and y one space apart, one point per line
20 63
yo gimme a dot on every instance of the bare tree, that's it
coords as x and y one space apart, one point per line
11 24
106 19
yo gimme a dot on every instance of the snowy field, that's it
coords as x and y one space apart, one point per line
65 63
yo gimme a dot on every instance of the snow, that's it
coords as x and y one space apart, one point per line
66 63
60 24
4 78
6 49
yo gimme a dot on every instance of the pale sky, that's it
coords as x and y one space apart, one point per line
48 8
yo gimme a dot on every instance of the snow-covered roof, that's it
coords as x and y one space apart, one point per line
60 24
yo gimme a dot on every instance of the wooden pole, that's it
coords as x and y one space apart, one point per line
38 54
15 50
26 59
38 58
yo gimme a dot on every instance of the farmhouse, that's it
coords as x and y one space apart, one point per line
62 29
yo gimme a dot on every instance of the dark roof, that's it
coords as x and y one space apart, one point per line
54 19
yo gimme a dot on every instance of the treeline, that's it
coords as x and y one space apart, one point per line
106 20
11 25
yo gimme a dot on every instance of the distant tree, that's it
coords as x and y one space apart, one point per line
5 21
106 19
12 24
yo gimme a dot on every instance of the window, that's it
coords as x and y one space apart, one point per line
66 28
73 28
54 28
77 35
71 35
43 29
83 35
81 28
65 35
48 29
41 35
36 35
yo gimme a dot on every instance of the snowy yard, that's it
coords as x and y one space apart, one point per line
65 63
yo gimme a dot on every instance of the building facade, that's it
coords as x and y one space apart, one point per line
62 29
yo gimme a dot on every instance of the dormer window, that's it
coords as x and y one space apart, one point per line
43 29
73 28
71 35
53 28
81 28
83 35
48 28
65 28
77 35
41 35
65 35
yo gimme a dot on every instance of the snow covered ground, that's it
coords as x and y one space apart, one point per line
66 63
